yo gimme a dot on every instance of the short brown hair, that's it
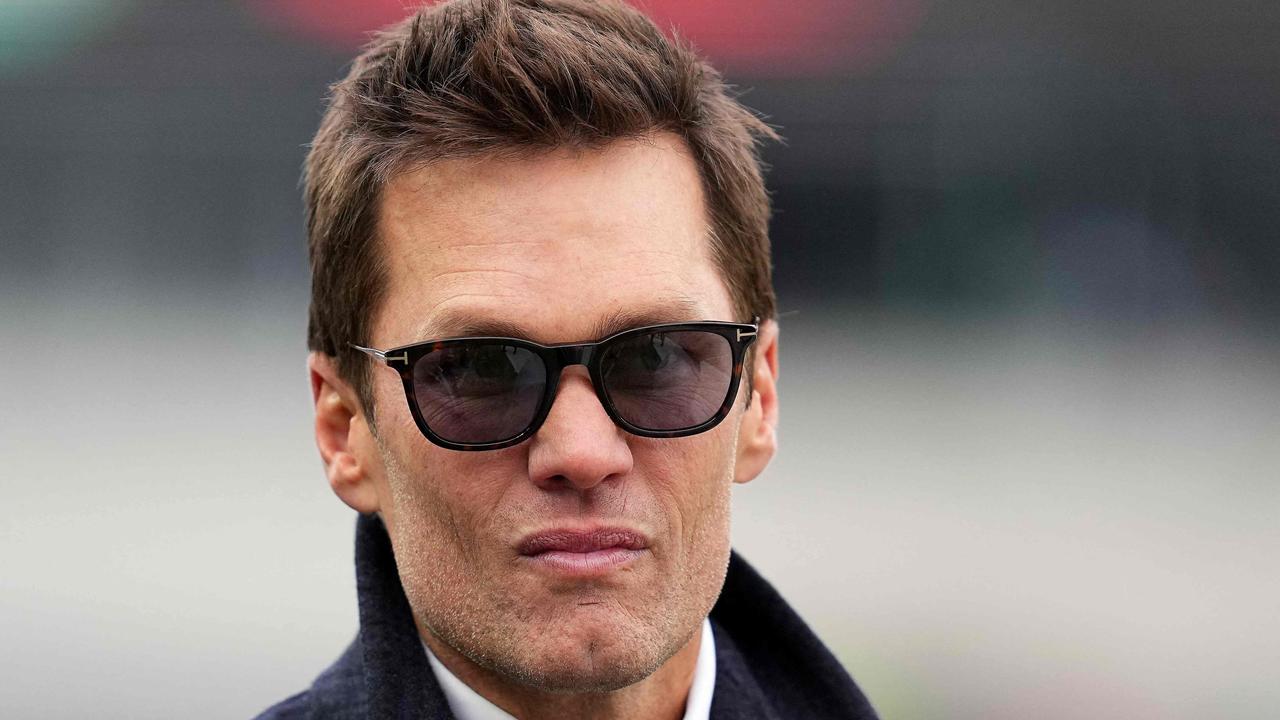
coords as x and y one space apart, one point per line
490 77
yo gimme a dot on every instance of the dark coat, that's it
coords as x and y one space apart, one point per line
769 665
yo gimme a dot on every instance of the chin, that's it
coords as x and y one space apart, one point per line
590 651
574 666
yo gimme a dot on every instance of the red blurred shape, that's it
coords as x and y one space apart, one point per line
752 37
791 37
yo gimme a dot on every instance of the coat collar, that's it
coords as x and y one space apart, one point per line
769 665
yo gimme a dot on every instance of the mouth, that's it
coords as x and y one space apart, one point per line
583 553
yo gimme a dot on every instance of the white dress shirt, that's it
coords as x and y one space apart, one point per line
467 704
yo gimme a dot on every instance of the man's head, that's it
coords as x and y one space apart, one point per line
557 170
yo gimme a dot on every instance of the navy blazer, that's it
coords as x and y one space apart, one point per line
769 665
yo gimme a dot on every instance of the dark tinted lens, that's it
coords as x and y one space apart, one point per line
479 392
668 380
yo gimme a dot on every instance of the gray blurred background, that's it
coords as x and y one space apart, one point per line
1031 361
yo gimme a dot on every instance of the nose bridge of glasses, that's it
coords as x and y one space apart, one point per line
567 355
580 354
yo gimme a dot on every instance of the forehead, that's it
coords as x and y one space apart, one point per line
560 246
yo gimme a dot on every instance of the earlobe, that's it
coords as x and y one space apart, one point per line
757 435
339 419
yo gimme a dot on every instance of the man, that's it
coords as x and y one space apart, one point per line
543 351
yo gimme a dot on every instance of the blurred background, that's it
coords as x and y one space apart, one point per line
1031 361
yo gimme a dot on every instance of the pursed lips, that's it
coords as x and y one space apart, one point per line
583 553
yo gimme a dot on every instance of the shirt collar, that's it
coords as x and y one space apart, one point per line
467 704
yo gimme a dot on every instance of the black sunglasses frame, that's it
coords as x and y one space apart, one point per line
555 358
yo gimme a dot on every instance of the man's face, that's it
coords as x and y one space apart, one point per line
565 247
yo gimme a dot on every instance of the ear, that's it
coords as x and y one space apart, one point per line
340 430
757 435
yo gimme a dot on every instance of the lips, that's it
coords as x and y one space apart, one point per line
583 552
577 541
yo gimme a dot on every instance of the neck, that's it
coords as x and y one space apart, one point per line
661 695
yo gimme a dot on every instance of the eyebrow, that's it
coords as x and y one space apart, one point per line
670 310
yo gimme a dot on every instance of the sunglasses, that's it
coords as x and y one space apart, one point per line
486 393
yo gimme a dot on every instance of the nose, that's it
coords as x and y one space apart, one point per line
578 445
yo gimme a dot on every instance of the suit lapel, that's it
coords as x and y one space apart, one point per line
774 666
737 694
398 678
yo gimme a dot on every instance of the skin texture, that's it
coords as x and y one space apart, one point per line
563 246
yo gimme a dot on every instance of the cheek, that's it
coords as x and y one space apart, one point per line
697 500
446 518
691 478
424 488
442 508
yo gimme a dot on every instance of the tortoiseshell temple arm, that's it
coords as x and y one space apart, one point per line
402 357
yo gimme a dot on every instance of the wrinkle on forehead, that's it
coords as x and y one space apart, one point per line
553 245
445 324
